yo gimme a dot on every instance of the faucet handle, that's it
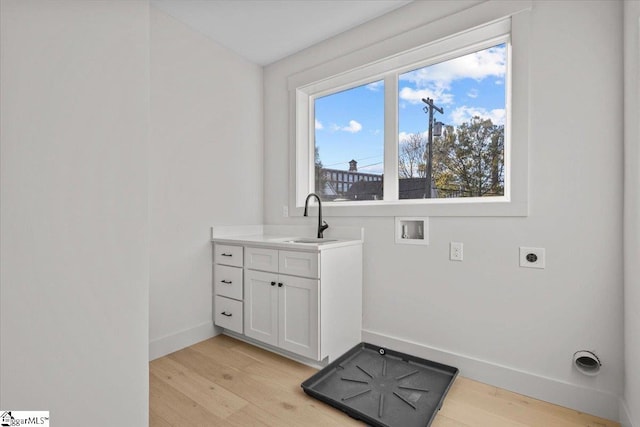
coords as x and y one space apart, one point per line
321 228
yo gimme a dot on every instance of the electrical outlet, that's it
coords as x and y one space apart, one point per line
455 251
532 257
285 211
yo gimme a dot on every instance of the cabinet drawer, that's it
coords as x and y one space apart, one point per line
228 313
261 259
228 281
227 254
299 263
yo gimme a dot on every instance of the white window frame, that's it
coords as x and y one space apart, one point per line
477 28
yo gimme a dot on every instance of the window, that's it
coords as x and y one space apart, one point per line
451 118
428 131
349 142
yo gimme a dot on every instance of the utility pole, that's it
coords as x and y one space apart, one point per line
429 109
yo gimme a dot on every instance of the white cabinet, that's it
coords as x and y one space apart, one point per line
262 259
261 306
298 316
228 313
228 287
297 263
227 255
282 310
306 302
228 281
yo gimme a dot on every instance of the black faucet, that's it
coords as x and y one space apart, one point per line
322 225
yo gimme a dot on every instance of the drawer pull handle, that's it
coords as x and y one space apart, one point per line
273 283
226 254
228 282
224 313
279 285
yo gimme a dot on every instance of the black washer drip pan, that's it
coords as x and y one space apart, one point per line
383 388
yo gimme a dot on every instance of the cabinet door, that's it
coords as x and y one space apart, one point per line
298 316
261 306
261 259
299 263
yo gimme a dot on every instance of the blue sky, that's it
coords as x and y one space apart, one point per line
350 124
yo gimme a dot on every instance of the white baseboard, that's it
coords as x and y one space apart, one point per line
625 415
174 342
597 402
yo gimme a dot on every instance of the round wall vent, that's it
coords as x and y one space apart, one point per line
586 362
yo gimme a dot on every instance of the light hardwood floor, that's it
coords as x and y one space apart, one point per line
226 382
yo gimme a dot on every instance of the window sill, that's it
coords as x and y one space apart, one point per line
496 207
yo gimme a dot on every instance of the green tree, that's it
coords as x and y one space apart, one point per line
469 160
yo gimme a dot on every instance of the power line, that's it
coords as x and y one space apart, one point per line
359 167
372 164
357 160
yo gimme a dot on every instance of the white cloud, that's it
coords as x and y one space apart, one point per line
375 86
404 136
354 127
414 96
435 80
464 114
473 93
319 125
477 66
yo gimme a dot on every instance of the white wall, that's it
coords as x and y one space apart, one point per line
74 267
205 169
631 407
513 327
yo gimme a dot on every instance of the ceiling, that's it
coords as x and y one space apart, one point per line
264 31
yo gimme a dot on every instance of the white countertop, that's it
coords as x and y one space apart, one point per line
286 242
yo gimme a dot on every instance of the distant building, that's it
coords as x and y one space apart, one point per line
365 190
336 183
354 185
409 188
